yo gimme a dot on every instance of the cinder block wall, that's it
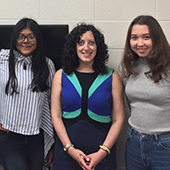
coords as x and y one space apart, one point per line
111 16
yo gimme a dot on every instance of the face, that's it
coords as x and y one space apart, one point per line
87 48
140 41
26 46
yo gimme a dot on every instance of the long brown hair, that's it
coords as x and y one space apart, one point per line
159 58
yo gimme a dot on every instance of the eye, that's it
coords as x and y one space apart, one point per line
133 37
20 37
81 43
31 36
147 37
91 42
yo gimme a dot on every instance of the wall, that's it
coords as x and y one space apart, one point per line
111 16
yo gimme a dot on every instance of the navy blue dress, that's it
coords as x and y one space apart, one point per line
85 132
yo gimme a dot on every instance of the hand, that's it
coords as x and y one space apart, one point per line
80 157
95 158
50 156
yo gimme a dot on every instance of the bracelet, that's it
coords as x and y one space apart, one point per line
65 148
105 148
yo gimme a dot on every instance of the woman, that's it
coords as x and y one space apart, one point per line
26 77
86 104
146 76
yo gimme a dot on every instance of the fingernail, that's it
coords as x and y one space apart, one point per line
88 159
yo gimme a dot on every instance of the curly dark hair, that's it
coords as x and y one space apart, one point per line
70 60
159 59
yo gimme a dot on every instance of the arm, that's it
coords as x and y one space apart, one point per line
56 113
117 121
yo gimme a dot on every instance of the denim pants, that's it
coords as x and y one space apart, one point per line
147 151
21 152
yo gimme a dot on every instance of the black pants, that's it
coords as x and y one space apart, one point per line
21 152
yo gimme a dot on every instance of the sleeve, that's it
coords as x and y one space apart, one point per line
4 57
127 102
46 121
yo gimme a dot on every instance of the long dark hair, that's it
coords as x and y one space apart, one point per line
39 65
70 60
159 59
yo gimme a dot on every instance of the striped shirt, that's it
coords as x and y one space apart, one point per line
26 112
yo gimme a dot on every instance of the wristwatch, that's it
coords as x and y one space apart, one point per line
65 148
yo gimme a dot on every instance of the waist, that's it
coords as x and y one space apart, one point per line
154 136
1 128
98 125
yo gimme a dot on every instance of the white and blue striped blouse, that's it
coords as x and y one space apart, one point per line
26 112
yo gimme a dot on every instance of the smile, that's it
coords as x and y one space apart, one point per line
141 50
86 54
26 47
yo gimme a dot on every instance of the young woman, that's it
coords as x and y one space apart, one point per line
26 77
86 104
146 77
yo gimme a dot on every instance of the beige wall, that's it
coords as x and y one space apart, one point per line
111 16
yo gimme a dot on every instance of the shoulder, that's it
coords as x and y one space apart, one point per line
50 65
4 51
57 79
4 54
116 80
115 75
49 61
57 75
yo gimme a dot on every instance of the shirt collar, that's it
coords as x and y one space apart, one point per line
20 57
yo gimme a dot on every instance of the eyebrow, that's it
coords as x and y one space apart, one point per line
24 34
142 34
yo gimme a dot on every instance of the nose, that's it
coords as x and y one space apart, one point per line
140 42
86 46
26 39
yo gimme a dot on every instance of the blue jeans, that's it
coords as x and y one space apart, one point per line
21 152
147 151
